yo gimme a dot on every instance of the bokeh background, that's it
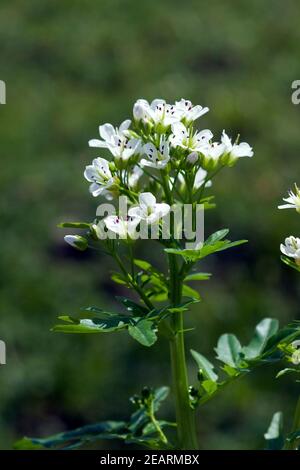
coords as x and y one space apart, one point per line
70 66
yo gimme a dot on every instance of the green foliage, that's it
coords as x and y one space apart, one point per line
142 428
291 263
213 244
265 346
144 332
141 323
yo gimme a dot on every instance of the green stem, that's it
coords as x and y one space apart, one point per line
155 423
295 427
131 281
185 415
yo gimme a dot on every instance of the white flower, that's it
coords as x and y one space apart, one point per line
188 112
134 176
182 137
76 241
148 209
293 200
211 155
158 112
156 158
296 353
200 179
236 150
100 176
291 248
123 226
117 140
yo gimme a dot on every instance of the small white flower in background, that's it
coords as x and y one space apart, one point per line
182 137
76 241
100 176
123 226
200 179
117 140
236 150
134 176
291 248
148 209
296 354
188 112
293 200
156 158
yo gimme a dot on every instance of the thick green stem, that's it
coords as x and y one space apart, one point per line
185 415
296 426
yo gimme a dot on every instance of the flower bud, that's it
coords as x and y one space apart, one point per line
76 241
192 158
138 111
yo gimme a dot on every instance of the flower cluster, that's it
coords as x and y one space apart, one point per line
158 152
291 246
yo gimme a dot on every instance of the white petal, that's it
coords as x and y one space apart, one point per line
151 151
162 208
147 200
124 125
179 129
97 143
107 131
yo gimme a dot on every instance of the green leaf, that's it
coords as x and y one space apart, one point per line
229 350
119 279
210 386
198 277
263 332
216 236
143 265
133 307
75 438
187 291
287 370
213 244
144 332
274 436
290 263
206 367
74 225
106 324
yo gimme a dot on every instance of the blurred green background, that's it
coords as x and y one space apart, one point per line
70 66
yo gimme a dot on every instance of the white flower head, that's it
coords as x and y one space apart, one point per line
293 200
211 154
182 137
235 151
291 248
124 227
157 112
296 354
100 176
117 140
156 158
188 112
76 241
148 209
